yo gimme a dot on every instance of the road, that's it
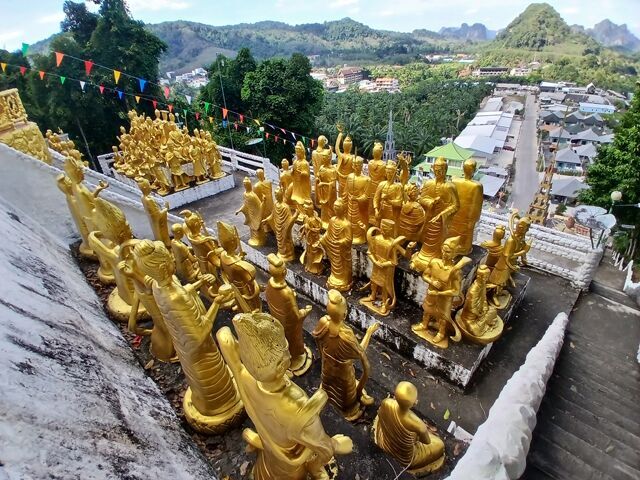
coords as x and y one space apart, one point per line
525 182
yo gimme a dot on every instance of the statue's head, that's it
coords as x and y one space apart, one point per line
390 170
387 226
412 191
406 395
196 132
144 185
247 184
300 154
177 230
322 142
498 233
357 165
157 113
115 149
279 194
347 145
284 164
228 237
74 169
260 174
469 167
336 306
309 211
264 350
153 259
449 248
339 207
111 221
522 227
440 168
378 150
482 274
277 267
193 221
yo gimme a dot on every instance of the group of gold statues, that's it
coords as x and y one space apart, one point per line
392 216
157 150
164 280
17 131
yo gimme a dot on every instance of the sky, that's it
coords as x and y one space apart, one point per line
32 20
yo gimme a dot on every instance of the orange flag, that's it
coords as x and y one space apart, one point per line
116 76
41 73
224 113
137 98
59 57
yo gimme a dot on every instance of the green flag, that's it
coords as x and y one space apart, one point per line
62 79
206 107
25 47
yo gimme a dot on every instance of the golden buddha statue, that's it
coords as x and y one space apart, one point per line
320 156
463 222
282 220
384 248
478 320
205 247
444 278
187 267
326 192
161 343
286 181
389 196
252 208
157 217
311 232
357 188
283 306
160 180
516 247
345 161
403 435
236 271
494 247
112 231
376 170
211 403
264 191
411 215
175 158
213 157
440 202
301 178
339 348
289 438
196 156
336 242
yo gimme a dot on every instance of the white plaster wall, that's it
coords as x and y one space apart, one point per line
75 403
632 289
500 446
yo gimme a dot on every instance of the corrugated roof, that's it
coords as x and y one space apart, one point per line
450 151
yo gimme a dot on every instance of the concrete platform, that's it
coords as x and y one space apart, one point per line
457 363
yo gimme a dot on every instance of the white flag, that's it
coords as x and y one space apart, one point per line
188 97
82 85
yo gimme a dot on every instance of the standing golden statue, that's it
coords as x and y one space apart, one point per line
444 278
236 271
320 156
282 220
389 196
286 181
478 320
402 434
376 170
463 222
283 306
301 178
211 403
264 190
252 208
339 348
205 248
289 438
516 247
345 161
357 189
411 215
384 248
336 243
157 217
187 267
494 246
213 157
440 202
326 193
311 232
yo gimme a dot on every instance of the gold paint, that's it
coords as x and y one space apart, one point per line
301 178
311 232
357 188
478 320
440 201
336 243
384 248
444 278
282 220
187 267
411 215
322 155
403 435
264 190
326 192
157 216
389 196
15 129
463 222
205 247
289 439
345 161
253 210
211 403
494 246
376 170
339 348
283 306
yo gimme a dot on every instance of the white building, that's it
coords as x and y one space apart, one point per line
596 108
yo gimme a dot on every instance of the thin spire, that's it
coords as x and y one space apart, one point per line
390 144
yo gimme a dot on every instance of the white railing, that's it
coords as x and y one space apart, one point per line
249 163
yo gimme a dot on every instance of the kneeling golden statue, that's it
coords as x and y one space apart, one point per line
400 433
289 438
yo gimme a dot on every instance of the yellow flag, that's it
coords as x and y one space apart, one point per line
4 66
116 75
137 98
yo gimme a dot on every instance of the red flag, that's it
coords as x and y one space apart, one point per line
277 138
88 65
41 73
166 92
22 70
197 115
224 113
101 87
59 57
266 135
170 107
241 118
235 124
155 104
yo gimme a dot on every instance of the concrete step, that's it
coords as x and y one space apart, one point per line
601 350
613 294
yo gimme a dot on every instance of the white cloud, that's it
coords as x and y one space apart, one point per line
6 36
156 5
343 3
51 18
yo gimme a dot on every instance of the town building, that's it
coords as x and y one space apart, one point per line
490 72
349 75
568 160
596 108
387 84
455 156
520 72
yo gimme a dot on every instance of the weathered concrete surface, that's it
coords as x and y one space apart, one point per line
74 402
525 182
